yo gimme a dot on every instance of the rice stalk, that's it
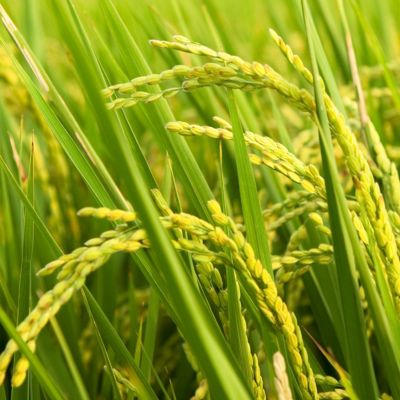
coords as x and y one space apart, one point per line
76 266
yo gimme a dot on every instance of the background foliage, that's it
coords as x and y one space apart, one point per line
305 171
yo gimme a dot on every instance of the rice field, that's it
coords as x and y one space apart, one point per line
199 200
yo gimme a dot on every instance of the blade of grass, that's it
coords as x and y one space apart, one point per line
106 357
150 334
197 189
75 152
54 246
115 341
32 25
40 94
69 360
111 337
200 328
93 80
237 333
376 47
252 213
25 280
356 347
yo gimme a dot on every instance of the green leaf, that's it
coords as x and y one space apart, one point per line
252 213
348 254
25 281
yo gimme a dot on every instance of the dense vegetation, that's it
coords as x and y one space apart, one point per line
199 199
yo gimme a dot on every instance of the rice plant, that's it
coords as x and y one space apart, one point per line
199 199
